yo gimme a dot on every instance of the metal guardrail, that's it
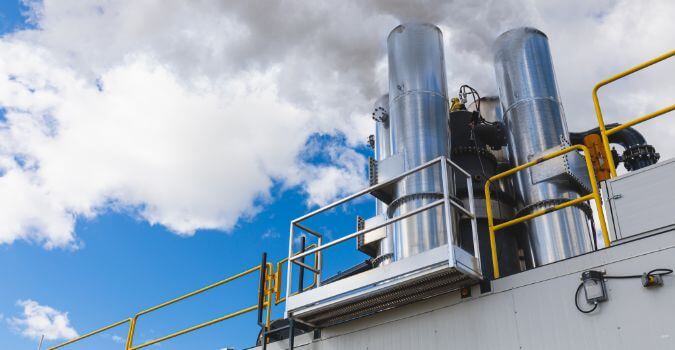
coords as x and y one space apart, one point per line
604 134
133 320
132 326
270 279
594 195
85 336
447 202
279 275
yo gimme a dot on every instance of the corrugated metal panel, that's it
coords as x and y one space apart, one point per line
642 201
531 310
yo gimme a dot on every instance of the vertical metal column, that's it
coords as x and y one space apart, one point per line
418 111
261 299
535 123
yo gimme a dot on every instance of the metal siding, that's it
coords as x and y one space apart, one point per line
531 310
646 201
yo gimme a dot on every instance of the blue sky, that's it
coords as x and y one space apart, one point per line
123 265
149 149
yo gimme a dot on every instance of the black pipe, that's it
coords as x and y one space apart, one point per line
261 299
626 137
301 275
637 153
291 333
261 288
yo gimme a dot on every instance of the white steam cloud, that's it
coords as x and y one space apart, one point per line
186 114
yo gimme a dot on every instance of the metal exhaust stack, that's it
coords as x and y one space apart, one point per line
407 178
418 101
535 123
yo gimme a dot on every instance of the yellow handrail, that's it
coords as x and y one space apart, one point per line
132 327
272 290
277 280
598 112
269 289
594 195
100 330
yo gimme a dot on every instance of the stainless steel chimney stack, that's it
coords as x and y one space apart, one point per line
418 102
535 123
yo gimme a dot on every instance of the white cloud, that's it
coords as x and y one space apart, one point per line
344 175
186 114
38 320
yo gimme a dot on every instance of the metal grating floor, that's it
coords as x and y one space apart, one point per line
408 292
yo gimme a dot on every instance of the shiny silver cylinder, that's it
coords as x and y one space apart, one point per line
535 122
418 101
385 253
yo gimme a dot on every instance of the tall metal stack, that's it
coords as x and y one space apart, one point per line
535 125
418 102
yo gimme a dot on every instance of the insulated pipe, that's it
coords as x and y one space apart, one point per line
637 153
535 123
385 251
627 137
418 102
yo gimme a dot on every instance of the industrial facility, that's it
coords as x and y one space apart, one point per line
495 226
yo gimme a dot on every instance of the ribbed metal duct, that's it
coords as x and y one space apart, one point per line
418 101
535 123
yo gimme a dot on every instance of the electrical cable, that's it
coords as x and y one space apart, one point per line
655 272
576 301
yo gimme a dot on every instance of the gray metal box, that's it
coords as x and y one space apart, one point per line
641 202
567 167
369 242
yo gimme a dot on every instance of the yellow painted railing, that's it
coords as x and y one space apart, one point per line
279 272
594 195
132 326
82 337
272 296
604 134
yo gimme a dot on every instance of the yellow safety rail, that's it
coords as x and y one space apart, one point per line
594 195
100 330
133 320
272 290
132 326
598 112
278 277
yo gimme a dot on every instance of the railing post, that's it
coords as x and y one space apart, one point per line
130 335
447 208
491 230
318 261
289 269
598 112
261 289
301 274
474 224
596 195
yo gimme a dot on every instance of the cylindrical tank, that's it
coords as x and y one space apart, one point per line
418 101
385 253
535 122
